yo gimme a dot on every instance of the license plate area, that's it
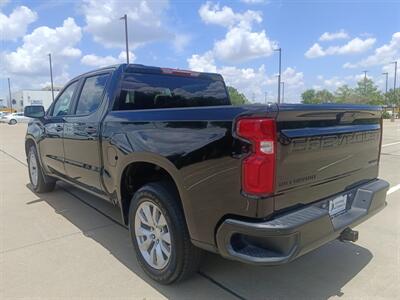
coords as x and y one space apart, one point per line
337 205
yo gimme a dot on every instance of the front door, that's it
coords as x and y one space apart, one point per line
82 133
51 147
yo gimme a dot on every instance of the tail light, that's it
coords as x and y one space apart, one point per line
258 169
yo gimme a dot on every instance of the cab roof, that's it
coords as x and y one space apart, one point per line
139 68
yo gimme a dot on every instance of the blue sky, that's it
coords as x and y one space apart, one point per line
325 43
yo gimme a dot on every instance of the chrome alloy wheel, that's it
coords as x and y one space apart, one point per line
33 168
153 235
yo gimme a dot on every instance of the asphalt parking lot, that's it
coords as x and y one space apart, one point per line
69 244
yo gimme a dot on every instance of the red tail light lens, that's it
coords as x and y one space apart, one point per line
258 169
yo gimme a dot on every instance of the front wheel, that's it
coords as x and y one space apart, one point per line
40 182
12 122
160 236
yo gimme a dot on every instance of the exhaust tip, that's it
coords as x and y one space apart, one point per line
349 235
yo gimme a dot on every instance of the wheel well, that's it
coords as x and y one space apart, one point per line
137 175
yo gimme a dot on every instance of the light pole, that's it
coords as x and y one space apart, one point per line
51 77
9 93
394 89
125 17
365 83
386 86
266 94
283 91
279 75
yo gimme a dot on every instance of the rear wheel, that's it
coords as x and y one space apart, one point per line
40 182
160 236
12 122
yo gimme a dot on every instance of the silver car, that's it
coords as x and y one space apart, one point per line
15 118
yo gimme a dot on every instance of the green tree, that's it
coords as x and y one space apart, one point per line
237 98
367 92
324 96
344 94
308 96
391 98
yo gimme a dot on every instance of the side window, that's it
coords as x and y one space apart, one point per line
63 102
91 94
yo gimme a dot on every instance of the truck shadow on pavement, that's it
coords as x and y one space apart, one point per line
318 275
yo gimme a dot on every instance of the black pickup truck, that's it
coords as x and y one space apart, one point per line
261 184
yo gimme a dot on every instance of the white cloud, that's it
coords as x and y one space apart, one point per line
15 25
356 45
315 51
382 55
213 14
202 63
389 68
335 82
330 36
240 43
250 81
349 65
181 41
144 21
122 57
254 1
28 65
292 78
31 57
93 60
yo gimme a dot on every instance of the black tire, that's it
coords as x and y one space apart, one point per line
43 183
12 122
185 257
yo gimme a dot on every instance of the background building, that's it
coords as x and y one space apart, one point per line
24 98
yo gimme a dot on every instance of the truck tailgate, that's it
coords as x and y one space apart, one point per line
323 150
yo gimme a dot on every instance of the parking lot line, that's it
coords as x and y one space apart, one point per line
390 144
393 189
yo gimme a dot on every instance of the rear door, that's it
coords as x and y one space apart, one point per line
82 133
51 146
324 150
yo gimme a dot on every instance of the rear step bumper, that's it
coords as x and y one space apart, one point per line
285 238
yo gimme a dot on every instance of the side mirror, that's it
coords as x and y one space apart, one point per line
34 111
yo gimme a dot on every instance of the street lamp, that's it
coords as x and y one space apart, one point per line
394 89
386 84
125 18
51 77
279 75
9 92
283 91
